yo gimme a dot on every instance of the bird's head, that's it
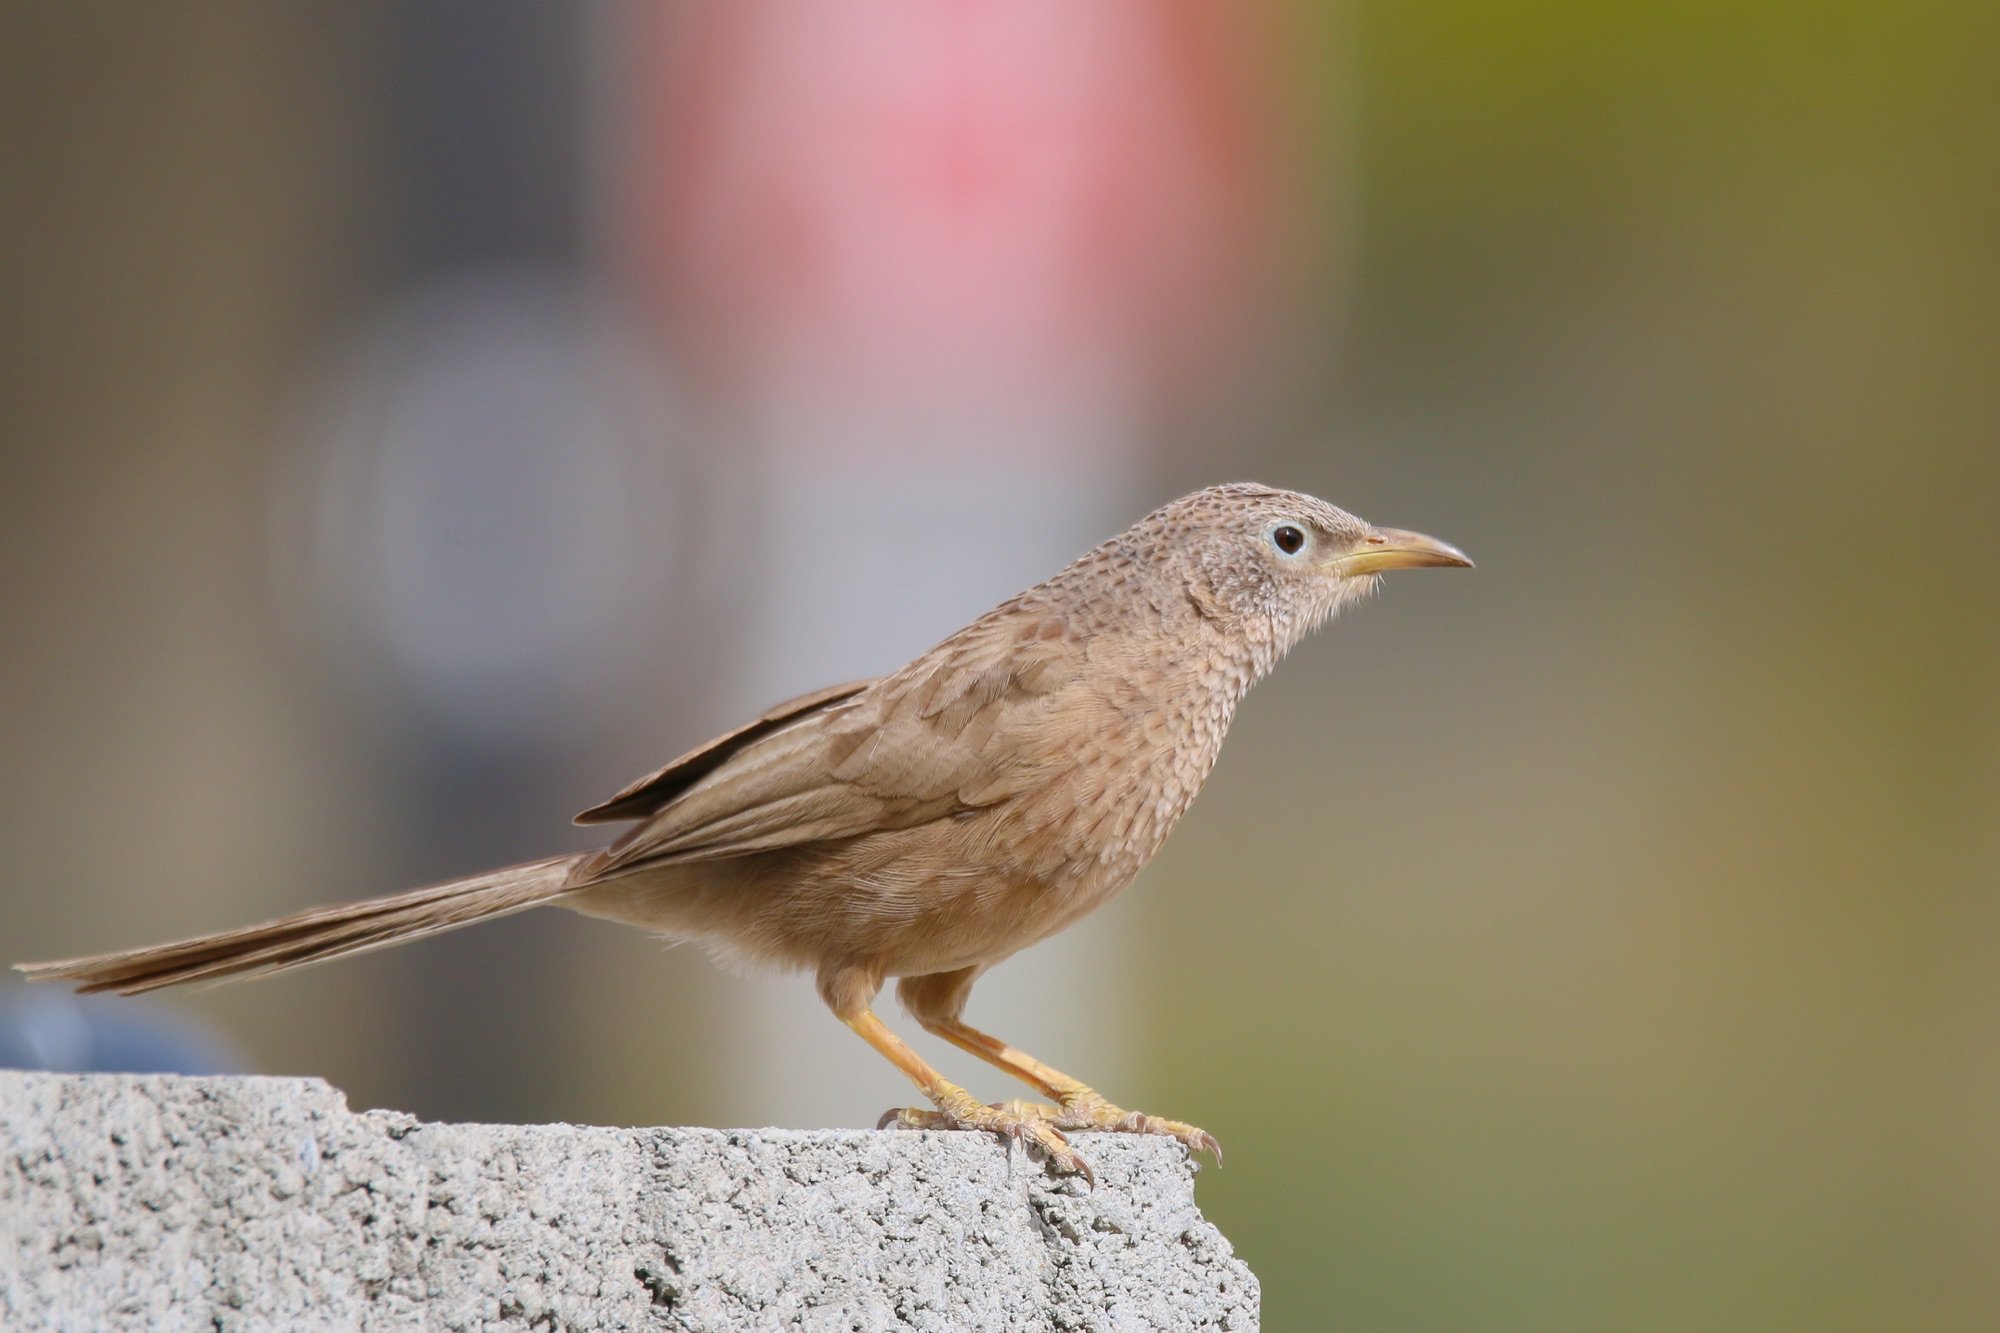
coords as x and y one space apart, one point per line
1273 565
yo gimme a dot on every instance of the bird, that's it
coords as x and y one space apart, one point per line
926 824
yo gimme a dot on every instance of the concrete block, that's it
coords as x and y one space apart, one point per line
156 1202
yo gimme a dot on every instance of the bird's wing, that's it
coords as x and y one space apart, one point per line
901 751
649 793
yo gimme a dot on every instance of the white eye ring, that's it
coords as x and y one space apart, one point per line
1289 538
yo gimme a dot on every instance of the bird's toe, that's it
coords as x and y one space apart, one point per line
1021 1122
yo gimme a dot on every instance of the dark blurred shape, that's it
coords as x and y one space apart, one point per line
479 495
55 1030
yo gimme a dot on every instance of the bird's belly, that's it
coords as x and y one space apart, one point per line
988 898
936 897
985 924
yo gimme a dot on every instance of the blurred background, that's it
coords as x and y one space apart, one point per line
420 420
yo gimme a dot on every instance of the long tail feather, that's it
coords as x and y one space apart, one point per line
315 935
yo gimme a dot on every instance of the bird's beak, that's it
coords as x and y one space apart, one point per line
1393 548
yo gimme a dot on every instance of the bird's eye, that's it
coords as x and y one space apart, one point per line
1288 539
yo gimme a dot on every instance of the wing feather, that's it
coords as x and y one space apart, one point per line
887 754
657 788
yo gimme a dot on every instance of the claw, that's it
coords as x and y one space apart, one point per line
1086 1109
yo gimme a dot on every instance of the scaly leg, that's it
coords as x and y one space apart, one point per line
956 1108
936 1001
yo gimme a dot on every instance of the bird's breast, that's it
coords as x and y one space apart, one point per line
1135 753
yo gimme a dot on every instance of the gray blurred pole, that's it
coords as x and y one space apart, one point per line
935 274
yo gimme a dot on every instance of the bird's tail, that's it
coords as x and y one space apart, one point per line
317 934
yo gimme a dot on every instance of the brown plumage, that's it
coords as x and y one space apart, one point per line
931 822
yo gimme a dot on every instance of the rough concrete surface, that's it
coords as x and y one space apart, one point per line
153 1202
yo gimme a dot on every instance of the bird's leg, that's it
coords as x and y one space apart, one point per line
936 1000
1077 1105
956 1108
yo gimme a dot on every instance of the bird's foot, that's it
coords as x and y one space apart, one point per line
1086 1108
1022 1122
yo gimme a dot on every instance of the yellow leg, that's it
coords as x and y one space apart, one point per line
936 1000
1078 1106
957 1108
